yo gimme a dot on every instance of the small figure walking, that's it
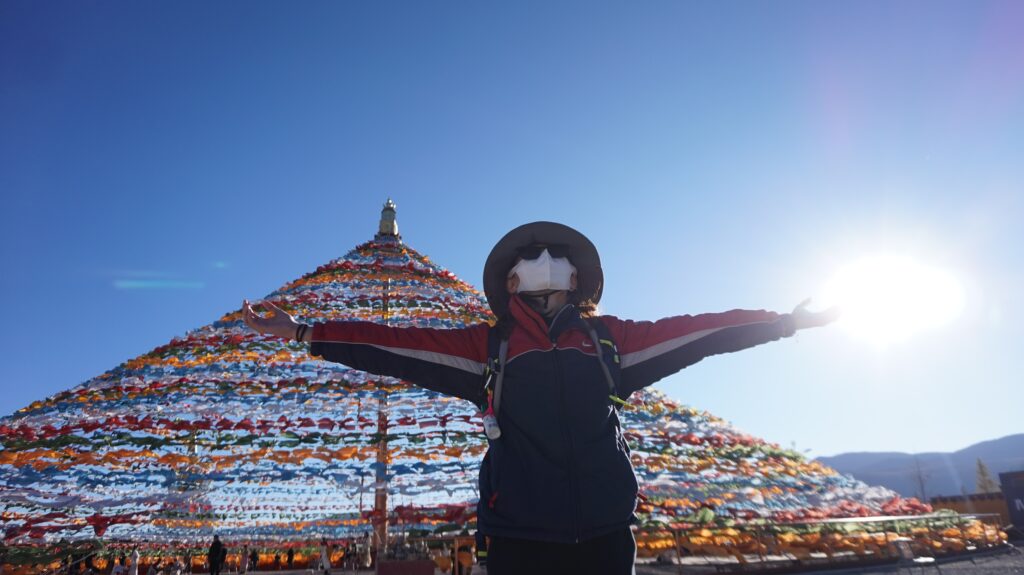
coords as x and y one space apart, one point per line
325 557
213 556
133 565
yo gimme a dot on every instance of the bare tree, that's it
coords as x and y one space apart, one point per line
920 477
983 479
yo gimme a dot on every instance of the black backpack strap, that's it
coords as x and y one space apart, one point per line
608 356
497 354
502 356
600 359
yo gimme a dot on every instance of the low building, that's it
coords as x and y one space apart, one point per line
1012 484
975 503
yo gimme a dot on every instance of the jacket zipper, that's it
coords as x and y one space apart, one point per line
572 445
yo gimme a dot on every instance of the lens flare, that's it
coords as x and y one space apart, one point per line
889 298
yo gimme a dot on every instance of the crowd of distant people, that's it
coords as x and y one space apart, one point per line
354 555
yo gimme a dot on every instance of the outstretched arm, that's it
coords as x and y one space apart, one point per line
449 361
652 350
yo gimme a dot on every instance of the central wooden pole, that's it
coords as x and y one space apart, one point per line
380 499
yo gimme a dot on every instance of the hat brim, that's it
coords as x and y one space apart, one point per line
582 254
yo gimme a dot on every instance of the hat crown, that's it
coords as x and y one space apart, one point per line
582 253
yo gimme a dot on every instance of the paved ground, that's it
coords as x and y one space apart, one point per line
999 564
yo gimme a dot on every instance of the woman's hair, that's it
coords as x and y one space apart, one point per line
505 324
588 308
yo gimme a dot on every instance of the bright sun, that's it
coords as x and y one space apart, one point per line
888 298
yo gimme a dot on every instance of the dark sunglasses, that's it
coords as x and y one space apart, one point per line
533 252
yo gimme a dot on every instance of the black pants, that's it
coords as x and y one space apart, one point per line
611 554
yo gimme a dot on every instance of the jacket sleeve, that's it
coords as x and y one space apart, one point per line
649 351
449 361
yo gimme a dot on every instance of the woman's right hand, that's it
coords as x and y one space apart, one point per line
278 323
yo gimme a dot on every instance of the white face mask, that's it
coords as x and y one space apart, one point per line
543 273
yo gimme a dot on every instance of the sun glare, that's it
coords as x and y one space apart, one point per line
887 299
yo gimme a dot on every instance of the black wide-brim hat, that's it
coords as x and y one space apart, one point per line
582 254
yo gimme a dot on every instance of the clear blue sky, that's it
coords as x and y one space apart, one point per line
720 155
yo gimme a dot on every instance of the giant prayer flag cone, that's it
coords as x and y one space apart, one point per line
231 432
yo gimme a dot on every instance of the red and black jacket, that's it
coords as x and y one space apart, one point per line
561 470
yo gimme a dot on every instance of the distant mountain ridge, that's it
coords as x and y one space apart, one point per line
941 473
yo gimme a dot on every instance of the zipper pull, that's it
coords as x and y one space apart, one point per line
620 401
491 421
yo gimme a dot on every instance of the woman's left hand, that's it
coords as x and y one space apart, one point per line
278 323
803 318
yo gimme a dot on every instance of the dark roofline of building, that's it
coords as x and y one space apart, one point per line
969 497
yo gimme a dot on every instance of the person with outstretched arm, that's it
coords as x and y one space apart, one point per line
213 555
557 489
